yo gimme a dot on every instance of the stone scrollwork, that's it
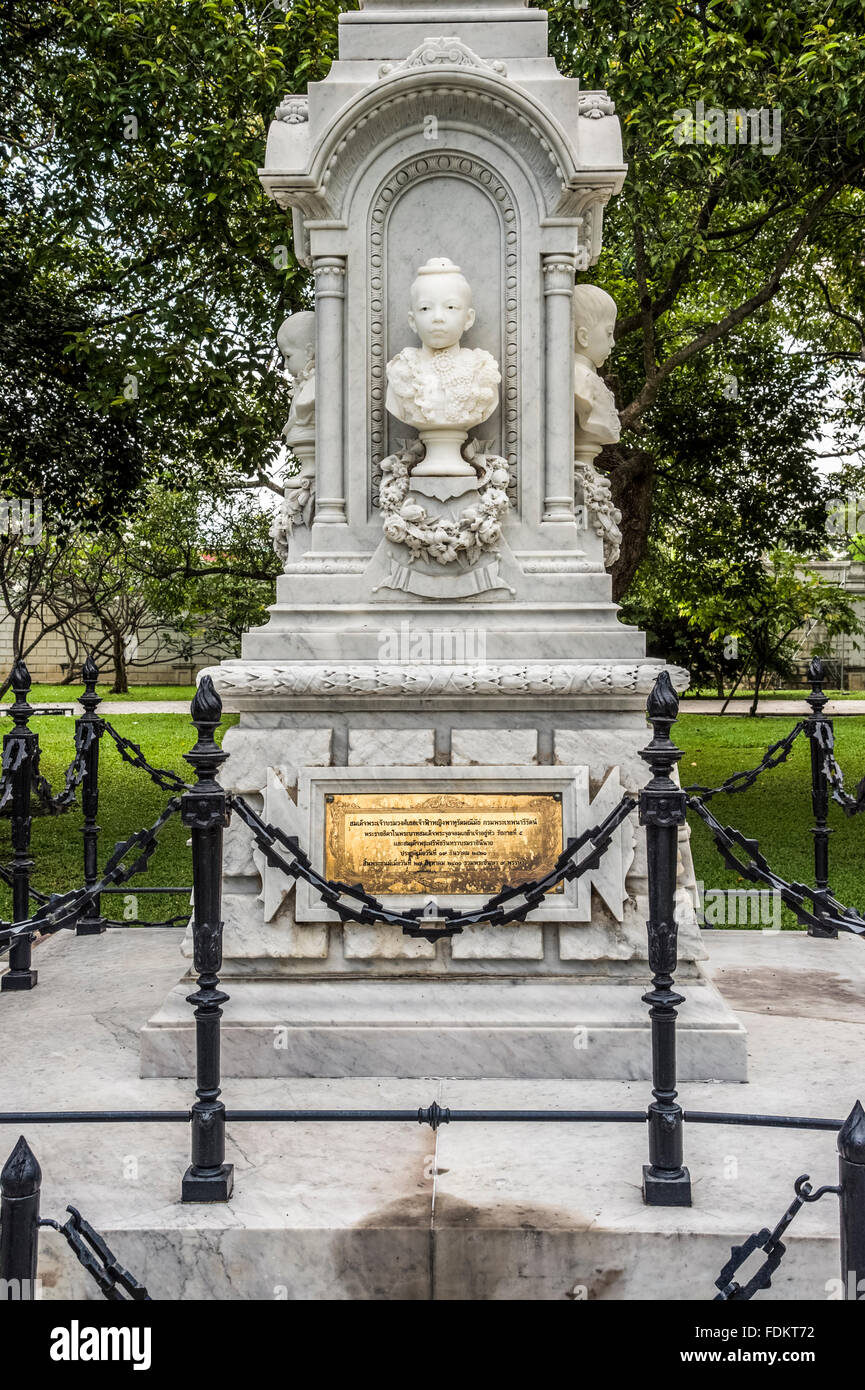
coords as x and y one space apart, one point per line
596 105
598 500
293 110
439 53
437 539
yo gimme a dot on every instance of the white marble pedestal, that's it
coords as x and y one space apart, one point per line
556 996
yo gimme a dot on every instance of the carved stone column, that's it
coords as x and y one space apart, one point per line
329 372
558 298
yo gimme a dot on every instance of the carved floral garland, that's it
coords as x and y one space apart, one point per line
443 539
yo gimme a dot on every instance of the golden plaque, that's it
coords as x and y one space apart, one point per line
445 843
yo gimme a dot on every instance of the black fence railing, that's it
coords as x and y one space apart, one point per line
206 808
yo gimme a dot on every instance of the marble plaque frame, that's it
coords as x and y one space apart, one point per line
572 906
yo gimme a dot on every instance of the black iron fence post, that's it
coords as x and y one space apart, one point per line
666 1183
851 1182
818 699
23 740
92 922
205 810
20 1182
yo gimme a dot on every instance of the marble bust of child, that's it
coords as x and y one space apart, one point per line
440 388
595 319
296 341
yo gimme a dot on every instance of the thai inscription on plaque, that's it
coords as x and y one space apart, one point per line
446 843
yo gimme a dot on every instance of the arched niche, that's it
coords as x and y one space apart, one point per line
476 205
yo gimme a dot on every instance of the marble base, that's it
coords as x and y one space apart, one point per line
497 1028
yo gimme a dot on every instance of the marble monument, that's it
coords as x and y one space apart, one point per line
443 693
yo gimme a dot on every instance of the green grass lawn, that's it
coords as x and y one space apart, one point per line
65 694
128 801
776 810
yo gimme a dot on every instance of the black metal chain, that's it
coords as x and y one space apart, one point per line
768 1241
741 781
131 753
74 775
353 904
181 920
101 1264
825 739
64 909
827 910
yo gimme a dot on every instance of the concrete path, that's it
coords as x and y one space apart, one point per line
794 708
391 1211
111 708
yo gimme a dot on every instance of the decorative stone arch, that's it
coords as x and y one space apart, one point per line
453 93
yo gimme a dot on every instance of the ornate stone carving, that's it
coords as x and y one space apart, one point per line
481 173
293 110
296 509
443 539
596 105
296 342
295 680
439 53
598 499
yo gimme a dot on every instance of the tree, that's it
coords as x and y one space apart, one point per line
150 270
706 236
747 619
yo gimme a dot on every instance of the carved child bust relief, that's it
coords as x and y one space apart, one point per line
296 341
595 318
441 389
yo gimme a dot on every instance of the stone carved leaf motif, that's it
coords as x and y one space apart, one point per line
442 52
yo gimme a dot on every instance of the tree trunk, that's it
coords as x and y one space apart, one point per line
758 681
121 676
632 478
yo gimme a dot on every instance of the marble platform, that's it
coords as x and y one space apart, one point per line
393 1212
496 1028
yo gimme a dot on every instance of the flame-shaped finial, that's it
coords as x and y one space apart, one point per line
816 671
663 702
206 707
851 1135
90 671
21 1174
21 680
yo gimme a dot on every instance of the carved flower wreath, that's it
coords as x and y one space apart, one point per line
441 539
